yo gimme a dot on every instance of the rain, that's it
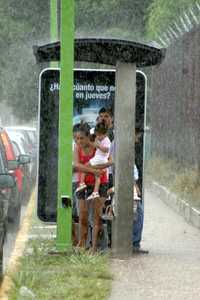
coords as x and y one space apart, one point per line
164 141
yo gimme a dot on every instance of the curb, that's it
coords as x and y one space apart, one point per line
18 250
189 213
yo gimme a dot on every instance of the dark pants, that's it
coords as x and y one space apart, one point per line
138 224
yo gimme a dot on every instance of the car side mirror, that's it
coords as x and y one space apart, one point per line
12 164
24 159
6 181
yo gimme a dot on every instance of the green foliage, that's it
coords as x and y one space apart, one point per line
162 13
161 170
23 24
114 18
185 182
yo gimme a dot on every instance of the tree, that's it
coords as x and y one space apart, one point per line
23 23
116 18
164 13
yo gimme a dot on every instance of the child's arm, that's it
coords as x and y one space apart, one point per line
104 148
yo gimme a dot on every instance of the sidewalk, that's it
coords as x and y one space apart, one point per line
171 270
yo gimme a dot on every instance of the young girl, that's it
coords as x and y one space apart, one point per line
102 145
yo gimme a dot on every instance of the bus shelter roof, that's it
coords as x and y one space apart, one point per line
104 51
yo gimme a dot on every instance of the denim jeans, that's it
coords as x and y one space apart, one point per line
138 224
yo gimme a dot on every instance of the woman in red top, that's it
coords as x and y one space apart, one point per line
83 152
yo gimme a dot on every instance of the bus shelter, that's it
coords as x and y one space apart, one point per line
125 56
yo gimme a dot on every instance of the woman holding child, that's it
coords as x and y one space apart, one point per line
84 151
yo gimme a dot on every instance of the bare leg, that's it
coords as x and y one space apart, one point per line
74 234
82 178
98 205
83 222
97 184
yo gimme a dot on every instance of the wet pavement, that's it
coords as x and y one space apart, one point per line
171 270
10 241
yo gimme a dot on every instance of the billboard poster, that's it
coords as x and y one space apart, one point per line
93 89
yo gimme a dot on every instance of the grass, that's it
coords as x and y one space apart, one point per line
185 182
160 170
73 275
187 185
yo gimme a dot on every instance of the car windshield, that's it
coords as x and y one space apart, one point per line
2 159
16 148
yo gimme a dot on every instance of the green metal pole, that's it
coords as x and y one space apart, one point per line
54 25
54 21
64 215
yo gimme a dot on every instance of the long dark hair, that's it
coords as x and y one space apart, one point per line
84 128
101 128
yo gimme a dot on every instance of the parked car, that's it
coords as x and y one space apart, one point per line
7 188
6 184
21 148
29 136
16 171
5 192
27 168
